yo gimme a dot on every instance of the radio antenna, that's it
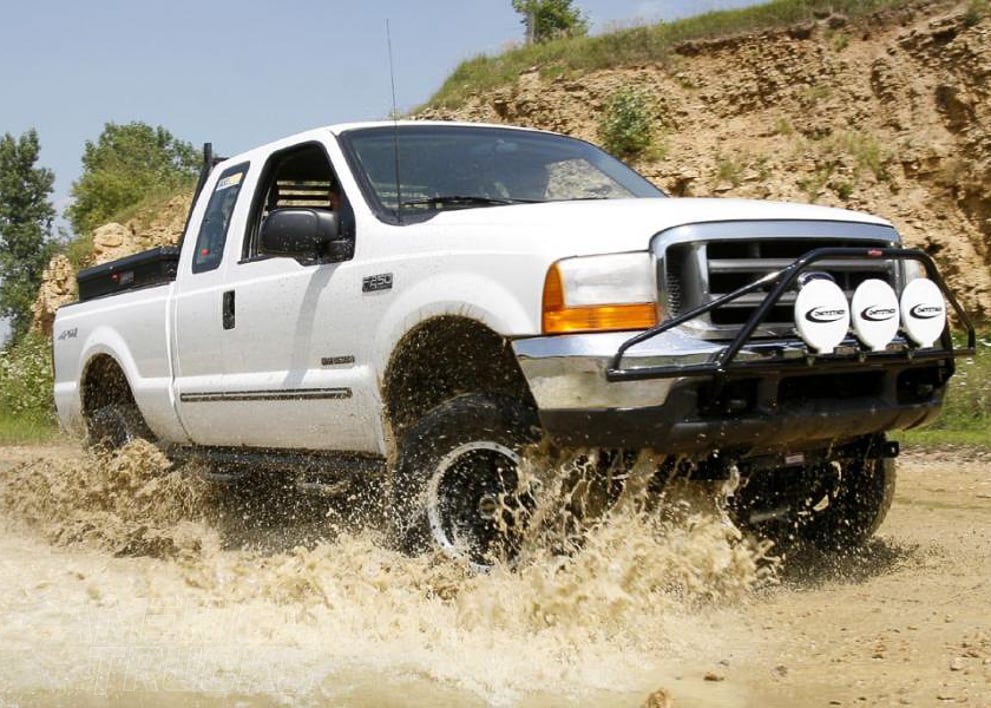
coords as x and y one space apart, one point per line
395 125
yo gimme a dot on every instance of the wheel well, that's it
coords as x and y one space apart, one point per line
442 358
104 383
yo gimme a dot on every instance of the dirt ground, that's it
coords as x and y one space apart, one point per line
905 622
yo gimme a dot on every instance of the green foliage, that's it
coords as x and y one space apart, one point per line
26 214
550 19
812 95
968 403
814 183
18 431
637 45
976 11
729 169
868 153
126 163
784 127
26 380
844 190
626 128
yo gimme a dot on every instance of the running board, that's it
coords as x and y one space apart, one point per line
327 474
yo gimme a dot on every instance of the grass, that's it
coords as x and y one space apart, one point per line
938 437
976 11
966 416
730 169
635 45
868 153
26 409
15 430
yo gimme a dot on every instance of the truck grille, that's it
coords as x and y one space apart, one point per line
698 272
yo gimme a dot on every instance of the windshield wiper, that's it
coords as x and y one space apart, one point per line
457 200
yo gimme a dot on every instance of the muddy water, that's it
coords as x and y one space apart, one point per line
124 580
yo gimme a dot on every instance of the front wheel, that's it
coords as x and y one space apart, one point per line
457 485
833 506
854 508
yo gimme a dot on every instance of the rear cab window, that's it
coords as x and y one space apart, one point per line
213 231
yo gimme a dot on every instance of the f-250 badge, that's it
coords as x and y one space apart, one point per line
373 283
68 334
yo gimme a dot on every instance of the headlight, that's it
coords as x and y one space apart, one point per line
600 293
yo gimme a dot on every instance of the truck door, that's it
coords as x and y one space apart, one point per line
200 317
295 348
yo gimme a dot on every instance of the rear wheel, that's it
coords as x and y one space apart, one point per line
116 424
457 484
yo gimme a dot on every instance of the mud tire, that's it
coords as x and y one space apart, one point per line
856 509
113 426
454 487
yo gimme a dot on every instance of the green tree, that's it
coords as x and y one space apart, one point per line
26 215
550 19
123 166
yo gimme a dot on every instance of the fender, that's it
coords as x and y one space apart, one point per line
152 394
465 294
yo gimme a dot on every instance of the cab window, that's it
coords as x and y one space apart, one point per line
213 231
300 177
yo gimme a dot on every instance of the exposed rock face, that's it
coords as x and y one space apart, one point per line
890 115
110 241
58 287
161 228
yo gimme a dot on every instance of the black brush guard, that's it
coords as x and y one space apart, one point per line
724 365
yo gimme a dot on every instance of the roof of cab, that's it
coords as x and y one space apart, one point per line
338 128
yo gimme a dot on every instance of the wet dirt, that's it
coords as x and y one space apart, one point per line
122 582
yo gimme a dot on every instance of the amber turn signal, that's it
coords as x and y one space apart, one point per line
559 318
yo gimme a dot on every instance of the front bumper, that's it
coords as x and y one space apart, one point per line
779 398
669 390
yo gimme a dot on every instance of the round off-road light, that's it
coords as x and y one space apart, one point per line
822 315
875 314
923 312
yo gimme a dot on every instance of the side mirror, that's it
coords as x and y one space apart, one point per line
304 234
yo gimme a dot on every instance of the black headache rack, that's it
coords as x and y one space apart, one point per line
723 365
156 266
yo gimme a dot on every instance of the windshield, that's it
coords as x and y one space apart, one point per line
459 167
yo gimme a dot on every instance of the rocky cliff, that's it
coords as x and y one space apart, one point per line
891 114
160 226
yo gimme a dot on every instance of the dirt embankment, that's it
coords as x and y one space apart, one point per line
891 115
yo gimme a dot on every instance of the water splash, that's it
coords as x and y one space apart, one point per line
601 596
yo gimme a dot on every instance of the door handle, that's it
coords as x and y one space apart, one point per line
228 309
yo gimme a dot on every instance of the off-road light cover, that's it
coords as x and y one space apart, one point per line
600 293
923 312
822 314
875 314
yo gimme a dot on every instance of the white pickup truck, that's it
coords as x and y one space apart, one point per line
416 302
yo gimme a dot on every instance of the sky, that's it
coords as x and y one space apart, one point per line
240 73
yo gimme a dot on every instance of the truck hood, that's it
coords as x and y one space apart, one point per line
599 226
